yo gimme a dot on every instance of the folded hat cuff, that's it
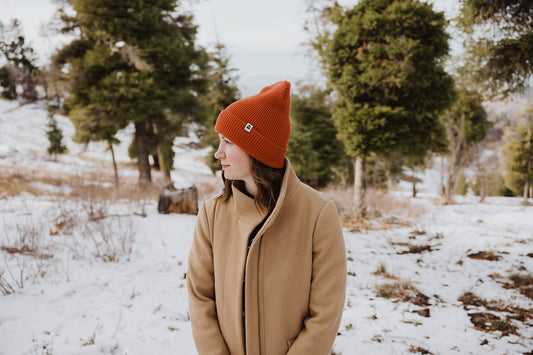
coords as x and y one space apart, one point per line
250 140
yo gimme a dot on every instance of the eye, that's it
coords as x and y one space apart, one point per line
224 139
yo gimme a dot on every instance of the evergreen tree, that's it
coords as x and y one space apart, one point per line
21 58
222 92
500 47
133 62
466 125
55 136
518 156
94 105
8 82
314 150
385 63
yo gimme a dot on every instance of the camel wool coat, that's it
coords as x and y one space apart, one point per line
294 273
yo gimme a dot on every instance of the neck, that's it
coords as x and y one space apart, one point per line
250 186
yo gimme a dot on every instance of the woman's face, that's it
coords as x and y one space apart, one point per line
236 163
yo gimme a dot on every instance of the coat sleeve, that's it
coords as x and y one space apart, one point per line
328 287
201 289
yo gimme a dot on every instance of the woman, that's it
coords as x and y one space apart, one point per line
267 267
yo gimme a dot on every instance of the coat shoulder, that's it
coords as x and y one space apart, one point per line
211 203
209 207
315 197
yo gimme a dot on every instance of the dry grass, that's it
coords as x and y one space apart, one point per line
6 285
89 186
25 236
385 274
522 283
35 248
65 220
381 203
110 238
26 251
485 255
402 291
15 183
384 211
95 223
469 299
14 272
382 271
419 350
488 321
416 249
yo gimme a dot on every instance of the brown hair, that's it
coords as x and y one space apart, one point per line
268 181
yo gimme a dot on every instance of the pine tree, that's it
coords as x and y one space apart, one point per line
55 136
385 61
518 156
222 91
314 150
466 125
21 68
133 62
8 83
500 46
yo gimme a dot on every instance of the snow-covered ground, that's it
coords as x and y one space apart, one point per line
65 296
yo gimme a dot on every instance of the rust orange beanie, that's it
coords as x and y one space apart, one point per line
260 124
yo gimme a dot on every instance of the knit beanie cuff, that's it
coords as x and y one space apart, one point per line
252 141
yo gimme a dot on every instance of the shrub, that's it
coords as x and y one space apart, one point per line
55 136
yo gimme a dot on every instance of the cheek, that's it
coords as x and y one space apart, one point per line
241 159
245 162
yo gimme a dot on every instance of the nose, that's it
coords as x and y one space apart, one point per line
219 154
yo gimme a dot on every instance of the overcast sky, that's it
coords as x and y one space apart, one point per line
264 38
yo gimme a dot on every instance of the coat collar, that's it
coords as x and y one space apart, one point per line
246 209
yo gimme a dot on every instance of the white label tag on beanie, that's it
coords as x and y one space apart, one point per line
248 127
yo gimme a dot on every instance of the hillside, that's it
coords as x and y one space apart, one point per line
87 269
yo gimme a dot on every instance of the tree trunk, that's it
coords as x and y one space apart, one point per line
375 173
360 187
482 183
178 200
350 176
450 185
141 145
455 162
12 88
442 172
414 182
114 163
29 92
162 157
163 164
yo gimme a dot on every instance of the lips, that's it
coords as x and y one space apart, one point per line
224 166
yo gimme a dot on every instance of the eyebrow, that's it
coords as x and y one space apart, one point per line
222 137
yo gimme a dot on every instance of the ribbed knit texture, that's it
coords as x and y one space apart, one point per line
268 114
